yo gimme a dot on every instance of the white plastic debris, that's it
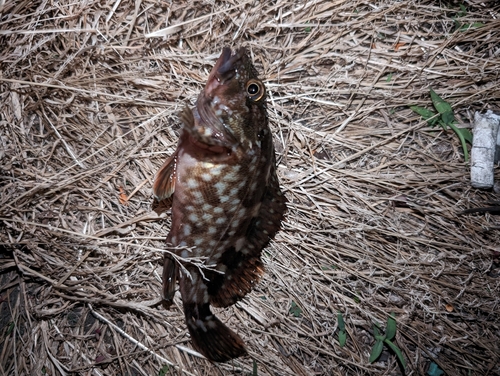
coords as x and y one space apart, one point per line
497 153
484 146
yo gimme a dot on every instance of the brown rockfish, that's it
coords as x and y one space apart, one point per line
227 204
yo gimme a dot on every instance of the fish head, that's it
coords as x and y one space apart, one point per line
231 109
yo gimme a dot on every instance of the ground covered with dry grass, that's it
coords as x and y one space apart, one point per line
90 93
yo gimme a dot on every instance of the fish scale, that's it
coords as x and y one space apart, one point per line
227 204
216 222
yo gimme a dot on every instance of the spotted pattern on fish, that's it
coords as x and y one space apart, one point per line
227 204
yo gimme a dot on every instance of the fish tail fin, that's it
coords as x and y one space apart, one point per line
210 336
170 270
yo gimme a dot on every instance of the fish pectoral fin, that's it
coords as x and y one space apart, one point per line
164 185
210 336
187 117
170 270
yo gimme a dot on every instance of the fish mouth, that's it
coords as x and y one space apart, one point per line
221 84
225 68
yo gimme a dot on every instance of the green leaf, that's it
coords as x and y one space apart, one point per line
163 371
426 114
295 309
463 135
356 299
342 338
376 351
434 370
475 25
390 331
380 337
254 371
448 118
376 333
328 267
443 107
389 78
467 134
342 333
439 103
397 351
463 11
341 322
10 328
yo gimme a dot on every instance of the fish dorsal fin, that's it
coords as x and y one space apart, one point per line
164 185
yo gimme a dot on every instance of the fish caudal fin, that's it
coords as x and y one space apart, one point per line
170 270
210 336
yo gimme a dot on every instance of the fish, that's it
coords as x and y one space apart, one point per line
227 204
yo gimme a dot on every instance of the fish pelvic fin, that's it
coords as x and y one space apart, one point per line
170 270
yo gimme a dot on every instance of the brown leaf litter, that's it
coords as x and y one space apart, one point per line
90 93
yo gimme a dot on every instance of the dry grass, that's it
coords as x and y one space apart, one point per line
90 93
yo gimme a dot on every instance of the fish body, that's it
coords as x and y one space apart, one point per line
227 204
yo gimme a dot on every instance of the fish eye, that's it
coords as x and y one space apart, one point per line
255 90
